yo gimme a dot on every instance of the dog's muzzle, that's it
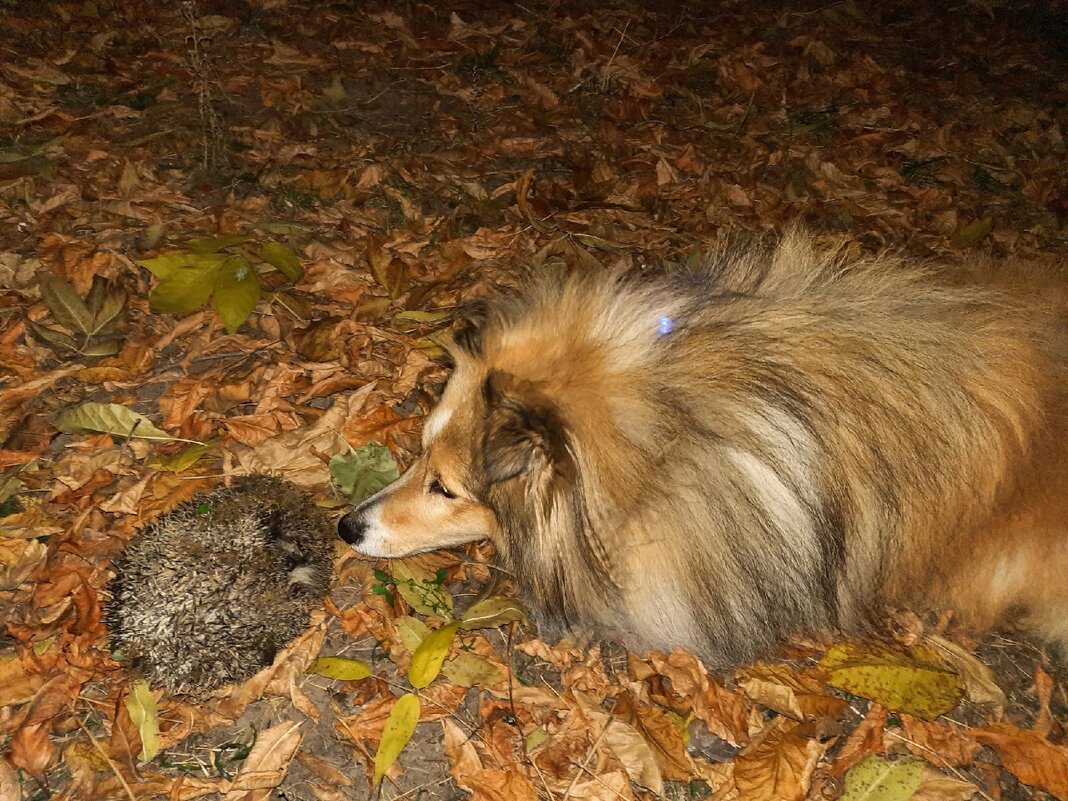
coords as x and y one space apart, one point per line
352 527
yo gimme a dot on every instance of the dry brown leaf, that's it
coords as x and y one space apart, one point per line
632 749
980 686
778 765
603 787
1044 689
293 454
937 786
723 711
564 654
1028 756
662 736
866 738
939 743
266 764
781 687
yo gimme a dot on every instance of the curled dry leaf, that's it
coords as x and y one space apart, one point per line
1029 757
979 684
267 763
778 765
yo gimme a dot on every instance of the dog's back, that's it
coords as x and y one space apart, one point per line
783 442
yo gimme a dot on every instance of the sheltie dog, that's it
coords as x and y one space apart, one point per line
782 442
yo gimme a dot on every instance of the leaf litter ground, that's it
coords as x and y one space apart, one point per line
412 155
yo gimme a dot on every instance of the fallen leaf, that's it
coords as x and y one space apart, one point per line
778 765
913 680
493 612
879 779
429 656
266 764
400 725
364 471
141 705
110 418
1029 757
339 667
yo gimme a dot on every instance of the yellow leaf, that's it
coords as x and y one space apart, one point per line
876 778
400 725
471 670
428 657
913 680
237 291
411 631
181 460
141 705
338 667
971 234
492 612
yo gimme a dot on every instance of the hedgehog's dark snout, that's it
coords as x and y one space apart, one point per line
352 527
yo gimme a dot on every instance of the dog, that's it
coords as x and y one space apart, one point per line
784 442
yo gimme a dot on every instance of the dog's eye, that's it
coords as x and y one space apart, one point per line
438 488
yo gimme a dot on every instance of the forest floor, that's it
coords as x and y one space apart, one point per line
378 164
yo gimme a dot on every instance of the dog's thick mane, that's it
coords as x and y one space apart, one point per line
675 454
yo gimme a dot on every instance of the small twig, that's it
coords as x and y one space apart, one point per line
622 36
103 753
745 116
589 756
599 780
941 759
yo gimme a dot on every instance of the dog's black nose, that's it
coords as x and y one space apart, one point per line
352 527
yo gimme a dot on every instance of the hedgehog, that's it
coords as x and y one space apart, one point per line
211 591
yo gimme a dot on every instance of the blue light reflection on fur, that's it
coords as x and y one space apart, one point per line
665 325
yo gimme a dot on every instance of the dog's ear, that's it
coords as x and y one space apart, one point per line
523 431
467 333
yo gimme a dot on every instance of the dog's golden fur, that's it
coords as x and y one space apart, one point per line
784 442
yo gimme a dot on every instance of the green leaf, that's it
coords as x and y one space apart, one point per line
471 670
431 653
364 471
338 667
69 310
971 234
282 259
183 289
237 291
141 705
492 612
213 244
181 460
110 418
400 725
51 336
875 778
422 590
913 680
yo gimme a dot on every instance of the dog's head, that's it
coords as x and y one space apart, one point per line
494 446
